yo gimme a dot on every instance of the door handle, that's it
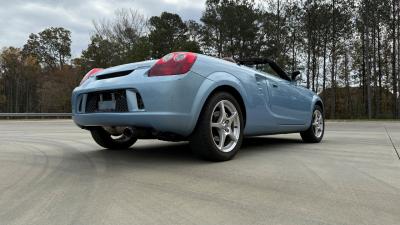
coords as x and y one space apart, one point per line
274 85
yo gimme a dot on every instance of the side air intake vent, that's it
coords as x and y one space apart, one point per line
115 74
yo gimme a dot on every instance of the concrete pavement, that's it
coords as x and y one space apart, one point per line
51 172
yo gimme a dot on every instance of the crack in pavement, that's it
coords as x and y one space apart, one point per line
394 146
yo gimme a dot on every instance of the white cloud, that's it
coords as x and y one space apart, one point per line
19 18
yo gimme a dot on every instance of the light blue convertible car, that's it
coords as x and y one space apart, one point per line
211 102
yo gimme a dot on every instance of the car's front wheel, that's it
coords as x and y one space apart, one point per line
111 139
315 132
219 131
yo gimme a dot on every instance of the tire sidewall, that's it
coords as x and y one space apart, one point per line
204 125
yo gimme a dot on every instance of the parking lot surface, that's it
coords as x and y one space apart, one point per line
52 172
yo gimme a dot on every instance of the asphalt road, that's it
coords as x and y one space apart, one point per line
51 172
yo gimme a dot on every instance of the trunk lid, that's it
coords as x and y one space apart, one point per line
123 70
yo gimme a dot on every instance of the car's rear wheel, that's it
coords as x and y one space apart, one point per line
315 133
219 131
106 138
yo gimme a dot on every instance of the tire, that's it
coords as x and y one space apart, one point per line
315 132
106 140
206 140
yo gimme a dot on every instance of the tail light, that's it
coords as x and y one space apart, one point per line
176 63
91 73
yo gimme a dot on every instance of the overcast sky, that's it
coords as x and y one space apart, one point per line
19 18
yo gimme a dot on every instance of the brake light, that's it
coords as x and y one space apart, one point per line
175 63
91 73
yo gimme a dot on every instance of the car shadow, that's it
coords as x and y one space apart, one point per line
180 152
254 143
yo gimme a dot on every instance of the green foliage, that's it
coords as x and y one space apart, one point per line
119 41
100 53
347 50
168 33
226 32
19 81
52 47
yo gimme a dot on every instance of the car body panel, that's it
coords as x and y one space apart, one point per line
174 103
168 101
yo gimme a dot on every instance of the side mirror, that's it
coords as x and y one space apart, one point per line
295 76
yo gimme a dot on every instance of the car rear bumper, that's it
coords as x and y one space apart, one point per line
160 121
169 102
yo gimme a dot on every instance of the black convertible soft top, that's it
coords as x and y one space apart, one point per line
261 61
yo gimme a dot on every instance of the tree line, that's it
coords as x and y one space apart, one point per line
347 51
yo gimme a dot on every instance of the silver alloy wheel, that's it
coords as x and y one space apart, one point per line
318 123
225 126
